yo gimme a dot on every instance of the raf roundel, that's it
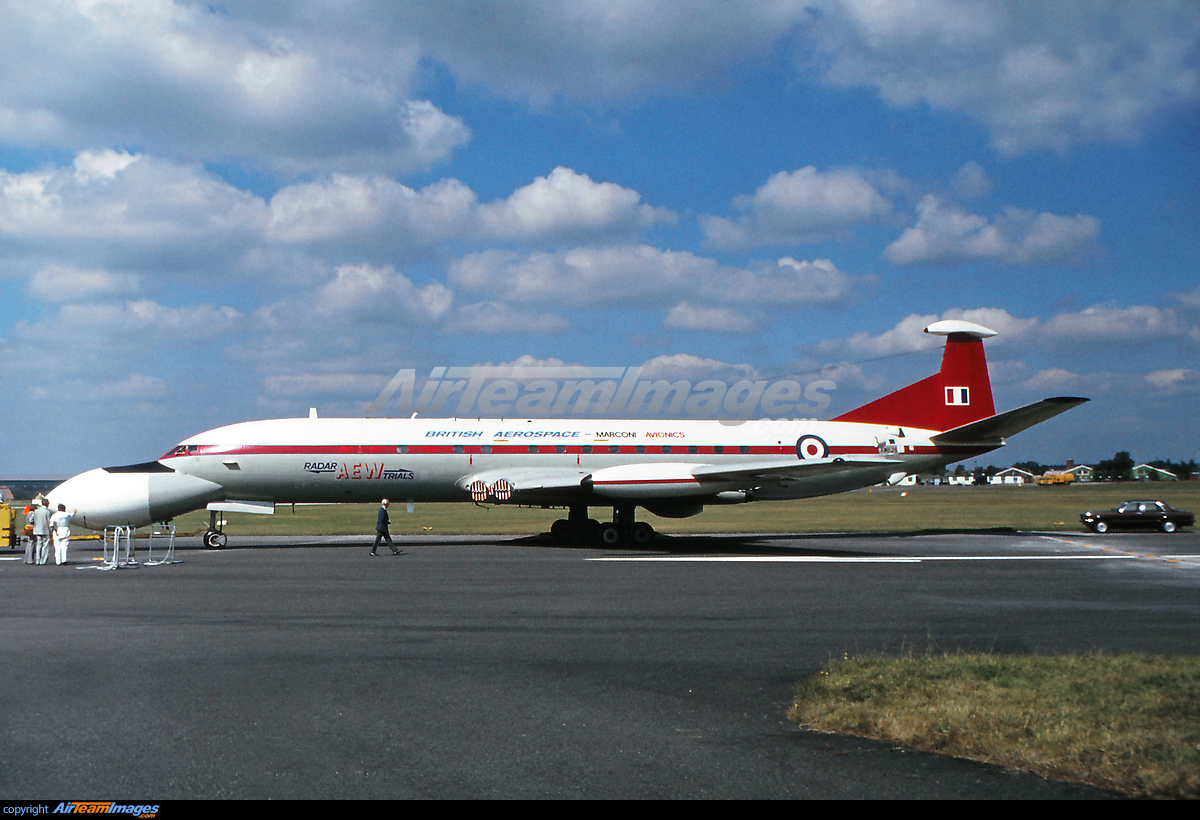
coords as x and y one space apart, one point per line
811 447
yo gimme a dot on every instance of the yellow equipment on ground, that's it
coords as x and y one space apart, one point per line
1052 479
8 537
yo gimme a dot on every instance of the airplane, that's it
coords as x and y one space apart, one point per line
671 468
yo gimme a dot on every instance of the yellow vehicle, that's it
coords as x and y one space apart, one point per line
1052 479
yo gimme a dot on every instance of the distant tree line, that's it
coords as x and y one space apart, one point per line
1118 468
1184 470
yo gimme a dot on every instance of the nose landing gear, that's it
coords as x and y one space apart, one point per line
214 536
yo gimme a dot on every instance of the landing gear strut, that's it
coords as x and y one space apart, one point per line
623 529
576 526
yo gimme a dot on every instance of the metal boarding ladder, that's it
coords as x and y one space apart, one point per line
115 537
160 532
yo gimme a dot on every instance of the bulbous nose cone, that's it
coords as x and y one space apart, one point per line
132 496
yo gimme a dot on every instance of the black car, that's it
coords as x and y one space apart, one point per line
1157 515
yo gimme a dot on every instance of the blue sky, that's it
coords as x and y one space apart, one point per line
218 212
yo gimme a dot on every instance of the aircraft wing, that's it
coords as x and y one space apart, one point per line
659 480
523 484
650 480
994 429
790 467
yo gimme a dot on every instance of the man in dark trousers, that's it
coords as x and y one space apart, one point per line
381 530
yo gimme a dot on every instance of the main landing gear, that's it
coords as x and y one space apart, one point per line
623 529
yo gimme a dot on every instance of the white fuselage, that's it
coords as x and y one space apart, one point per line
549 461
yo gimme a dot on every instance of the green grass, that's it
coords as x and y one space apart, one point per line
875 510
1126 722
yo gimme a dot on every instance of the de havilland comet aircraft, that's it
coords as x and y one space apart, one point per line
671 468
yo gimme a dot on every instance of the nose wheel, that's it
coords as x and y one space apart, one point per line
214 536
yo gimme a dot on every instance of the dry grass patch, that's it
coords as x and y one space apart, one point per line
1124 722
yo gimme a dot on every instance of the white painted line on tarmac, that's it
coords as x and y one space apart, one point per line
762 559
897 559
849 559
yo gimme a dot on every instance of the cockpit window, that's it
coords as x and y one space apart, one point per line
183 450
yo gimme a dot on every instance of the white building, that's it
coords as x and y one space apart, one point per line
1012 476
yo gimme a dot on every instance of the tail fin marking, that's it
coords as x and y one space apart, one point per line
958 394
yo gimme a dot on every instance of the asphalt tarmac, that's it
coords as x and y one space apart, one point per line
513 668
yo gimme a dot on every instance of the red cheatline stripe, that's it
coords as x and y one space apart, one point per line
543 449
413 449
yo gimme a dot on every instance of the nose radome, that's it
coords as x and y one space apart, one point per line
132 496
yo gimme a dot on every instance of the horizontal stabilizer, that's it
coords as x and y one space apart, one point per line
994 429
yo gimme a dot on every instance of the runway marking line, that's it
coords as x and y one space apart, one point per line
830 559
1175 559
1114 554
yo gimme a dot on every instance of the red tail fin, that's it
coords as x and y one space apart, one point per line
958 394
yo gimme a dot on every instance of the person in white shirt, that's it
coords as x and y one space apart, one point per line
60 524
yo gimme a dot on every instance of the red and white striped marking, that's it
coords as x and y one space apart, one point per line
479 491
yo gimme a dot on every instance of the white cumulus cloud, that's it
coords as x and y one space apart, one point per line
686 316
796 207
191 80
566 203
946 233
1038 76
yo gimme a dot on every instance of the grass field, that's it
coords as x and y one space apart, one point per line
875 510
1124 722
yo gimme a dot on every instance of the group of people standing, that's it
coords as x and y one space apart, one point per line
43 525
